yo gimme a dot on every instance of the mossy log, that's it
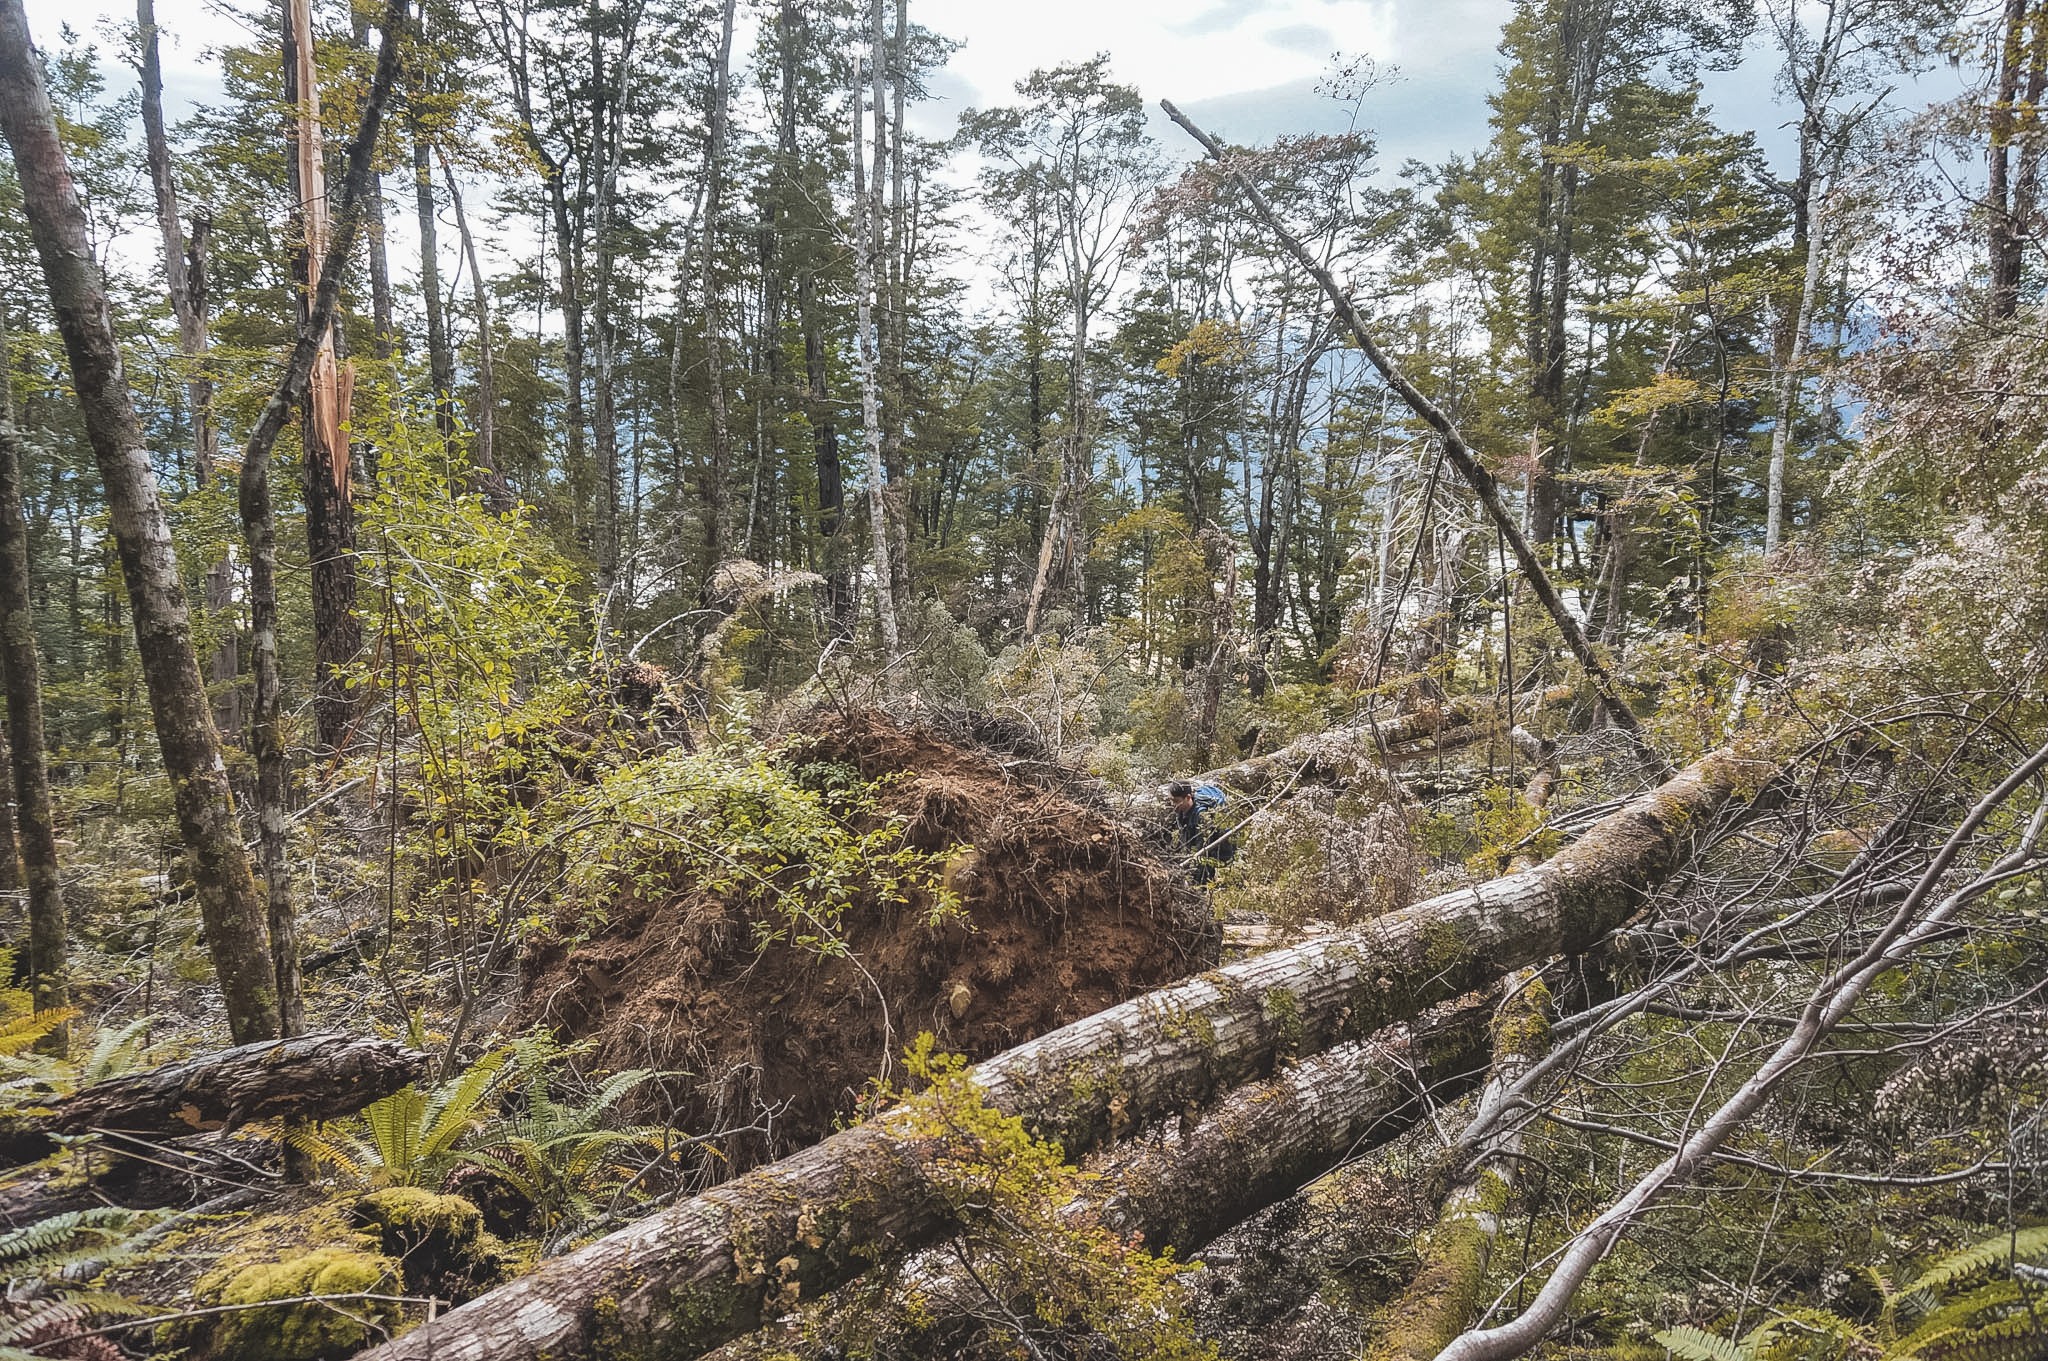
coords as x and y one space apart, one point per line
1336 756
307 1077
1447 1293
714 1267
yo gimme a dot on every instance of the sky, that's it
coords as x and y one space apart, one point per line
1247 68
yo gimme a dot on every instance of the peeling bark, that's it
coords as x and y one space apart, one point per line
307 1077
715 1267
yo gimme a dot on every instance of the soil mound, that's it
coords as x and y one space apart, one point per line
1065 912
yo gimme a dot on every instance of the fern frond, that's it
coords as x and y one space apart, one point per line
2020 1245
1697 1344
23 1032
34 1248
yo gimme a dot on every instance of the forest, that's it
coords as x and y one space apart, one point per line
668 695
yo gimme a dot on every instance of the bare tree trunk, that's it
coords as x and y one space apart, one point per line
1455 449
235 929
497 495
718 498
34 819
712 1268
315 338
324 471
1055 550
1788 396
867 204
895 322
2005 238
440 355
185 281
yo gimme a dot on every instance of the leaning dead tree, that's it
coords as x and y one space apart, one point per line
307 1077
713 1268
1461 455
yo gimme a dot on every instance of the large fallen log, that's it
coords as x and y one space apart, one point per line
1196 1178
712 1268
307 1077
1445 1295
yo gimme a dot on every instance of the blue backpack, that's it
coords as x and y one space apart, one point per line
1209 798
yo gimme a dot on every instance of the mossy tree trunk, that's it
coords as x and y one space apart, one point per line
710 1269
236 931
35 823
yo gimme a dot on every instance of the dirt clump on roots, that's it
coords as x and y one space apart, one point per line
1064 912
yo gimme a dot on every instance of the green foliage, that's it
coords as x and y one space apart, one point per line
1990 1321
45 1307
412 1137
1049 1272
796 848
556 1155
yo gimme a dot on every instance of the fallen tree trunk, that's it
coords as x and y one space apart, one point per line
308 1077
1196 1179
1340 754
1268 1139
710 1269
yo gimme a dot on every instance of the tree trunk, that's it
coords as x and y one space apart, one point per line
712 1268
35 824
185 280
718 491
491 482
233 914
440 354
1336 755
324 470
864 232
308 1077
1203 1175
2005 234
1788 396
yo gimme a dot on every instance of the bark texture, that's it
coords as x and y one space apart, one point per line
1338 754
232 908
307 1077
710 1269
35 823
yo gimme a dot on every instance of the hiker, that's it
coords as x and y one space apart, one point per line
1191 831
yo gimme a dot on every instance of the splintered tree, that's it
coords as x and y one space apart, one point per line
330 496
236 932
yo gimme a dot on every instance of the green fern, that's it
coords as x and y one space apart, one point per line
2021 1245
1697 1344
23 1032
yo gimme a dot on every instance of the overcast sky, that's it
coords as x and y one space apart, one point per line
1246 67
